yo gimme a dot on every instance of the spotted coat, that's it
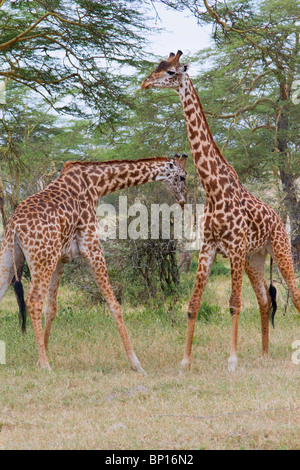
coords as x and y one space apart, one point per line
58 223
237 224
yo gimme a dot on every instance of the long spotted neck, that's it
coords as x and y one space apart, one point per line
106 177
214 171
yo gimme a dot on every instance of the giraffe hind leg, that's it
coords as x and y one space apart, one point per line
50 309
41 273
255 269
280 250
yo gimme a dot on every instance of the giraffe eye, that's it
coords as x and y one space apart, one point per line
170 72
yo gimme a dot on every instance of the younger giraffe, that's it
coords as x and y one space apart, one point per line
237 224
58 223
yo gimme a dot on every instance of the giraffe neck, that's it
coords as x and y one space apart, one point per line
105 177
214 171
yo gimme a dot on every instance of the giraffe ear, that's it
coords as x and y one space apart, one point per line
177 57
182 161
171 57
174 59
176 159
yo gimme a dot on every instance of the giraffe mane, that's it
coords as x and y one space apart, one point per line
109 162
212 139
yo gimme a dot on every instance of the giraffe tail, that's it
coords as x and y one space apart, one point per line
272 292
19 291
18 288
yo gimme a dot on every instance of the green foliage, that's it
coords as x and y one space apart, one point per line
208 312
219 269
35 143
140 271
64 50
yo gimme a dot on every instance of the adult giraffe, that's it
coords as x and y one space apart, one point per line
237 224
58 223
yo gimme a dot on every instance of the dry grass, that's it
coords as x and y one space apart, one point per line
92 400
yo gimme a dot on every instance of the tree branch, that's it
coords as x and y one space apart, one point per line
235 30
8 44
250 107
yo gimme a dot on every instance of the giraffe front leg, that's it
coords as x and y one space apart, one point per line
205 261
237 269
92 252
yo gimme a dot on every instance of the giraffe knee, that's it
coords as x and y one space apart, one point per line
264 299
234 311
50 313
193 308
192 314
116 311
30 302
34 303
235 305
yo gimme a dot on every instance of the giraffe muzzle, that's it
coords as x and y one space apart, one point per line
145 85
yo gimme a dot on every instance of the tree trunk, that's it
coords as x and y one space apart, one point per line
2 205
293 208
291 202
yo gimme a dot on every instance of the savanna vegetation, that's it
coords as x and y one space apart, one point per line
72 74
91 399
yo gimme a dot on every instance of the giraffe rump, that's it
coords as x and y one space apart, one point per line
19 291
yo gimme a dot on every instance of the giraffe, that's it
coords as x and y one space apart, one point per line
58 223
236 224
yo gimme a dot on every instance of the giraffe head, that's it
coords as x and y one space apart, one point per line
168 74
174 176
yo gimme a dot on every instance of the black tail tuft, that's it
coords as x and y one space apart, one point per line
22 306
273 292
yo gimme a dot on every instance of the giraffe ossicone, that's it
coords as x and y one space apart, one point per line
237 224
60 222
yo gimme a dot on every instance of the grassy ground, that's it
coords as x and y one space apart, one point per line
91 399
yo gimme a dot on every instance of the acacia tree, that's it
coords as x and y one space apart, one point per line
251 91
61 51
65 48
34 144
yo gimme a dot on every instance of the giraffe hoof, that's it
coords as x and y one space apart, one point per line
135 364
138 368
184 366
44 366
232 364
